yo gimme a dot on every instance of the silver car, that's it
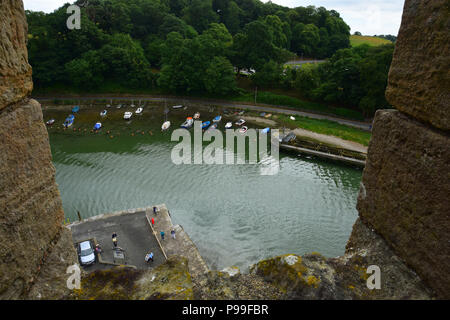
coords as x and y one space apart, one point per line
86 253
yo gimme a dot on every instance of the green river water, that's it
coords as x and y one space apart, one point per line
235 215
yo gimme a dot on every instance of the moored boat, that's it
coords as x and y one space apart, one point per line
75 109
212 127
165 125
268 115
188 123
177 107
103 113
139 110
69 121
196 116
217 119
50 122
265 130
292 118
127 115
229 125
205 125
97 126
240 122
243 129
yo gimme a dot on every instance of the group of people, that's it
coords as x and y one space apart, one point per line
162 233
149 257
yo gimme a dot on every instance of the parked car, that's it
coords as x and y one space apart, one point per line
86 253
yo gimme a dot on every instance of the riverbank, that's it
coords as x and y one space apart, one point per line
318 134
261 107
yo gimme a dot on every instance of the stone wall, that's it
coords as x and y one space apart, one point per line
419 79
15 72
406 182
31 213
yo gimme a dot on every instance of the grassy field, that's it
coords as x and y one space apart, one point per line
329 128
372 41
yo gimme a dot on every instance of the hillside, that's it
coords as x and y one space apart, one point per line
372 41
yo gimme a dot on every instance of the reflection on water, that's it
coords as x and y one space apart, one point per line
235 215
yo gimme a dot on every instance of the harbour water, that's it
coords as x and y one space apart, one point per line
235 215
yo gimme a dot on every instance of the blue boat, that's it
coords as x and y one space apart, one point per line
75 109
205 124
265 130
69 121
97 126
217 119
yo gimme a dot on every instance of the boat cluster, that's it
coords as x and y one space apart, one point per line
213 124
187 124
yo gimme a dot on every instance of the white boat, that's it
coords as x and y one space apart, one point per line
165 125
229 125
243 129
292 118
196 116
188 123
103 113
240 122
177 107
139 110
50 122
127 115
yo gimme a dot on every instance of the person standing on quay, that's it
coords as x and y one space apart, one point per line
173 233
114 239
153 222
162 235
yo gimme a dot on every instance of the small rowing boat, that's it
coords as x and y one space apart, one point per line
165 125
243 129
69 121
265 130
205 125
97 126
75 109
240 122
188 123
103 113
127 115
197 115
229 125
217 119
139 110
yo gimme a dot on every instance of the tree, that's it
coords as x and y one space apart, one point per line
219 77
199 14
269 75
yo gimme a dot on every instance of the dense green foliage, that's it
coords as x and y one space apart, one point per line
197 46
190 41
355 78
